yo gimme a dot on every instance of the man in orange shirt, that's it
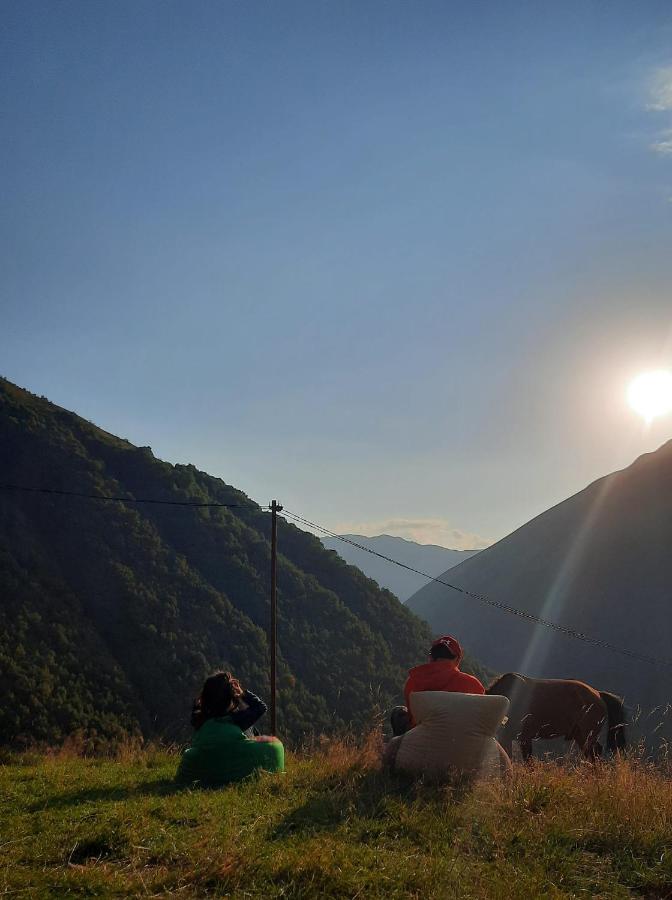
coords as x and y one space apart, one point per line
442 673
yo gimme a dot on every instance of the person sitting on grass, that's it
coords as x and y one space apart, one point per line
221 752
441 673
246 708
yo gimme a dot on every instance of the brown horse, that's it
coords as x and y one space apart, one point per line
551 708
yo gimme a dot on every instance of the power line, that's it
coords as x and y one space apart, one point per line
193 503
504 607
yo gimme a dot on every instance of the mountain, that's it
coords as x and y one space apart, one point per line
599 562
427 558
111 614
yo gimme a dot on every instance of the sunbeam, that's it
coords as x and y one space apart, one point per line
554 602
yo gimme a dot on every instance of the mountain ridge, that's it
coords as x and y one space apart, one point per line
396 537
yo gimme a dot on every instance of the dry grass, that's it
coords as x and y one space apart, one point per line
335 825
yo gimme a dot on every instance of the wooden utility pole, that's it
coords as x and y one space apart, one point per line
275 509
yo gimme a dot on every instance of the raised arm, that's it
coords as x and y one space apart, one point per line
254 710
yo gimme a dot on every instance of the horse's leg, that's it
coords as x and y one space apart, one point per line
526 749
591 747
591 751
506 737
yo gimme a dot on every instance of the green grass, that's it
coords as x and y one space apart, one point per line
334 825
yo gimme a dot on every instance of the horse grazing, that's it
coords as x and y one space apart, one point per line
544 708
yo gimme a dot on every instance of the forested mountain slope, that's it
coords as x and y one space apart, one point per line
428 558
111 614
599 562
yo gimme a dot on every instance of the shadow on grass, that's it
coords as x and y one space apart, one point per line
363 793
162 788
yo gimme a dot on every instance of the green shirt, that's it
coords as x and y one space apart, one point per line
220 753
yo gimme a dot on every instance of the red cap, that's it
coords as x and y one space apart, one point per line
450 643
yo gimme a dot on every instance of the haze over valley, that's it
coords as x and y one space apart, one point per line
427 558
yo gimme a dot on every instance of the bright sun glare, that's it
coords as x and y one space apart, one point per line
650 394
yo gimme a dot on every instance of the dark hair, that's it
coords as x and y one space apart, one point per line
440 651
219 697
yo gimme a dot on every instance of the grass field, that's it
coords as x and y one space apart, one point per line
334 825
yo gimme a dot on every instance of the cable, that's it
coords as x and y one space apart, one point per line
504 607
193 503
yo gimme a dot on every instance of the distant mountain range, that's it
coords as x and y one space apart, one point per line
428 558
111 614
599 562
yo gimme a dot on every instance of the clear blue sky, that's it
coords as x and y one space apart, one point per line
392 263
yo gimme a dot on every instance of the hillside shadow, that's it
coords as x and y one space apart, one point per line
163 788
366 794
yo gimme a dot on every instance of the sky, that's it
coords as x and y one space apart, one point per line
393 264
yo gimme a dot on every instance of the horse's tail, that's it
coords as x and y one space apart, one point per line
617 721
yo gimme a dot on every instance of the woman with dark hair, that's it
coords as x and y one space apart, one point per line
222 695
221 751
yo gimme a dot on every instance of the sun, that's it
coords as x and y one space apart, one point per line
650 394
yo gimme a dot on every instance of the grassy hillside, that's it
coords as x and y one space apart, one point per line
333 826
113 614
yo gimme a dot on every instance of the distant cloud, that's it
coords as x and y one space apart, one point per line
660 100
664 145
423 531
661 89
